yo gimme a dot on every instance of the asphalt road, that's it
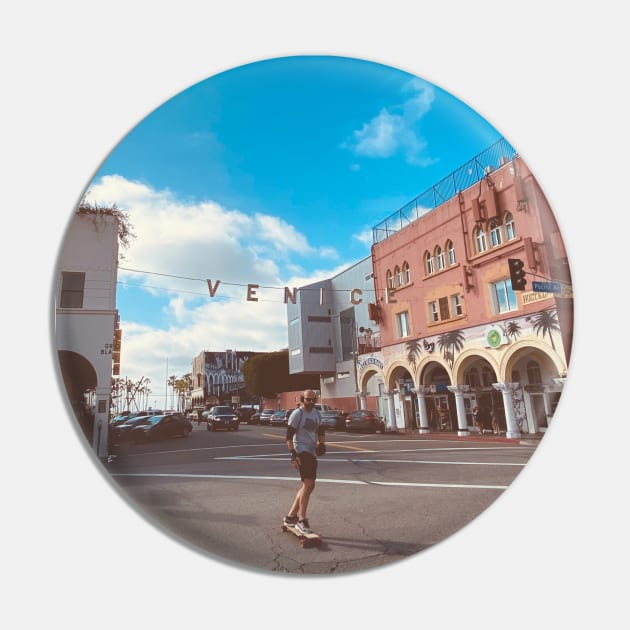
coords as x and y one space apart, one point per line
378 498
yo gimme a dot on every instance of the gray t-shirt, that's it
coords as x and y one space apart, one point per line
306 424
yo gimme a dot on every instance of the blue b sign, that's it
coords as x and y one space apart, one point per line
547 287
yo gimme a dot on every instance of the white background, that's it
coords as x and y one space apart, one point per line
551 77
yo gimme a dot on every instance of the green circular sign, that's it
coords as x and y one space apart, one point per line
494 338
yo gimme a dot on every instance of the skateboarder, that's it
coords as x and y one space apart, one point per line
305 439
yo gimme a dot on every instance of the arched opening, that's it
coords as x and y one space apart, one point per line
440 402
79 379
404 399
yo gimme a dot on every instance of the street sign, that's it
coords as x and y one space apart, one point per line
547 287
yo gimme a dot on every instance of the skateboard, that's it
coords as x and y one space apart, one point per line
306 540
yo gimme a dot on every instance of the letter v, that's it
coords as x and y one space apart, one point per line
212 289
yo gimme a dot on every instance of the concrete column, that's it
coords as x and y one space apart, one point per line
101 423
391 412
462 424
422 409
507 389
362 400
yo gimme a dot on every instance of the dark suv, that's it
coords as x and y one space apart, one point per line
221 417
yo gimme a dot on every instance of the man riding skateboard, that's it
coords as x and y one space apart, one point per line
306 440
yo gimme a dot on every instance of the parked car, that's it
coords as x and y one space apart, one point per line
119 419
365 420
334 419
194 416
160 428
120 433
280 418
221 417
323 407
245 414
265 416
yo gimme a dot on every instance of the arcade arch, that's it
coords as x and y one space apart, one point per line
80 380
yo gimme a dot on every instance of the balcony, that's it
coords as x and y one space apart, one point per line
369 343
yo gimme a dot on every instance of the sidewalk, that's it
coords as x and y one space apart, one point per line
531 439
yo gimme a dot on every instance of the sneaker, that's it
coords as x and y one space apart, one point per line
291 520
304 527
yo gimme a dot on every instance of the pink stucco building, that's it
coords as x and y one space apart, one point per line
453 333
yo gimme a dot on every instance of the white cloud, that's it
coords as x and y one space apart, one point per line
183 245
394 130
364 237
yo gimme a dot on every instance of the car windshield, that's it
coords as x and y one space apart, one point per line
154 419
223 410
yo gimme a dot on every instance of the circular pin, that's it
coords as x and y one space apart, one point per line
304 248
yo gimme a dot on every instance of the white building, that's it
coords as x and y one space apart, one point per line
87 330
331 330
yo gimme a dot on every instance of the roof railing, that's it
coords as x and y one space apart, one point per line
473 171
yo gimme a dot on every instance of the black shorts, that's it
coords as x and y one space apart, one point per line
308 466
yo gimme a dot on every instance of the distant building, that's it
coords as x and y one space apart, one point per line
87 332
217 376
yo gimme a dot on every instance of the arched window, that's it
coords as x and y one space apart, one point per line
450 252
480 240
495 233
390 279
510 229
472 378
406 271
428 264
534 375
398 276
439 257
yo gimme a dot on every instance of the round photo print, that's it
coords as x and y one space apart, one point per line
313 315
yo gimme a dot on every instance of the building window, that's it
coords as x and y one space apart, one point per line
450 251
472 378
439 256
495 233
503 297
406 273
429 264
402 324
433 312
390 279
534 375
510 229
398 276
480 240
444 310
72 288
456 305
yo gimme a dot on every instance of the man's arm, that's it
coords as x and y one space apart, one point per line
295 460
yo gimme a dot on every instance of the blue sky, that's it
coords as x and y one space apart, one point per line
271 173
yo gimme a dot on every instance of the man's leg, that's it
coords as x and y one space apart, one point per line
300 503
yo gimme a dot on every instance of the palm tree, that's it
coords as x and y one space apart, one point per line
171 383
181 386
413 351
513 330
546 322
450 343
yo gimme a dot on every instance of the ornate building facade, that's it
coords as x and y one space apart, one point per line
453 333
